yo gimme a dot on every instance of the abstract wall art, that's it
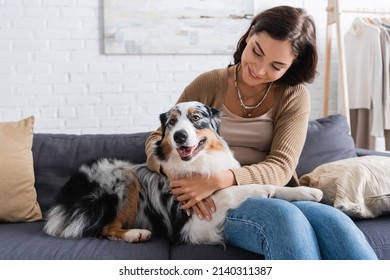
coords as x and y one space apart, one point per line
175 26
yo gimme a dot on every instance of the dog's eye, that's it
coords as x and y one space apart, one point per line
172 122
195 118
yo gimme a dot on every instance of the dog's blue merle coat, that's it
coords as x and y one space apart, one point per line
159 212
88 203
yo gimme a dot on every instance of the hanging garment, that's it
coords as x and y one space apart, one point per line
361 122
387 140
385 46
364 71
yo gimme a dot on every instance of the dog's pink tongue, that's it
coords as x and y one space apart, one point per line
185 151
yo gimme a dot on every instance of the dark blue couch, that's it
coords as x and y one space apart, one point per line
56 156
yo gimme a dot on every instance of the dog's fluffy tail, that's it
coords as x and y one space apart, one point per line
78 222
80 211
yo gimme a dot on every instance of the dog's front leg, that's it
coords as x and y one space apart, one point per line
298 193
232 197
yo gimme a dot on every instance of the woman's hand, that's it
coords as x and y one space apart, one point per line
195 192
203 209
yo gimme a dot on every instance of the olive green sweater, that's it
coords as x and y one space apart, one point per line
291 115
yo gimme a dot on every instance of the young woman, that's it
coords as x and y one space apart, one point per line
265 112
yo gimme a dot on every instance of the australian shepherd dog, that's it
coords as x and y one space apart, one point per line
115 199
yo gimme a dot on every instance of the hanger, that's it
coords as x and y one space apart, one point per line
368 20
385 20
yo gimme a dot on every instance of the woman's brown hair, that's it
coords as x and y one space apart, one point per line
286 23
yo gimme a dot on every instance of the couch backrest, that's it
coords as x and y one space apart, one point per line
57 156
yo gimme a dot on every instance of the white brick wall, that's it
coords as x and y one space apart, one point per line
52 66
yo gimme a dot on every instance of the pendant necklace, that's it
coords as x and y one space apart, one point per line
245 107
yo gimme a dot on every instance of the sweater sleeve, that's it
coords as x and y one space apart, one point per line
290 129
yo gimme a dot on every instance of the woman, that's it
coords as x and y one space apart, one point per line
265 111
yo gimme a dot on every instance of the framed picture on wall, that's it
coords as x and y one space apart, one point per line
174 26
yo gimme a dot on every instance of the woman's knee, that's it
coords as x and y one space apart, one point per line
321 215
337 234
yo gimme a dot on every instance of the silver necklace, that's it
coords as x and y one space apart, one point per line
246 108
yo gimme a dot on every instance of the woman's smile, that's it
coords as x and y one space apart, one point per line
253 75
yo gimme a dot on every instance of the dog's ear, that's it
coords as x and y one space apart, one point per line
159 150
215 118
163 119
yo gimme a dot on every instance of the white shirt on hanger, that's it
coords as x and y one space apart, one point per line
364 70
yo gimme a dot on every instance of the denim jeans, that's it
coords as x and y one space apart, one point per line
301 230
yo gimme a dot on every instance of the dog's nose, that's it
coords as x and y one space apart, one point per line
180 137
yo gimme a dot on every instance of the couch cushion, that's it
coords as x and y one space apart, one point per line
377 233
57 156
327 140
210 252
18 198
26 241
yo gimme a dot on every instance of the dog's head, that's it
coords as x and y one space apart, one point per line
188 129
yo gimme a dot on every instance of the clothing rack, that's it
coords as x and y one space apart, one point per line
334 17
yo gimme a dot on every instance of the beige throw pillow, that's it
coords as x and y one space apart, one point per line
18 198
360 186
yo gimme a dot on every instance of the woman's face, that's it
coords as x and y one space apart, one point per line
264 59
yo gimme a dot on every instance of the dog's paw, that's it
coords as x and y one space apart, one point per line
265 191
256 191
137 235
310 194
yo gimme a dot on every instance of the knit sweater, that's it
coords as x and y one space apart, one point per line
291 115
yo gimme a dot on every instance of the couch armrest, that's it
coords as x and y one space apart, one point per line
365 152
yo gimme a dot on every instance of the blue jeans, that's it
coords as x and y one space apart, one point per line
301 230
